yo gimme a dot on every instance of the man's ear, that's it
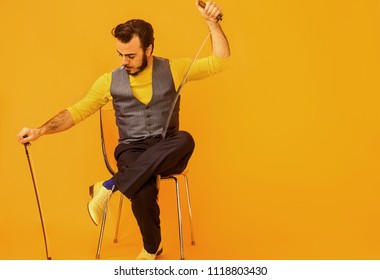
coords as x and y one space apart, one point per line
149 50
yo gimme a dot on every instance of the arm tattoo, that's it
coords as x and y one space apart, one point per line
60 122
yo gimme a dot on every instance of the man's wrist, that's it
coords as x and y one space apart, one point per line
41 131
212 25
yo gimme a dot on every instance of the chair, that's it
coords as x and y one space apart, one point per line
109 140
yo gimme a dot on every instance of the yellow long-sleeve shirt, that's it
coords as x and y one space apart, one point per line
141 84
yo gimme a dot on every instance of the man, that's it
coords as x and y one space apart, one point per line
143 92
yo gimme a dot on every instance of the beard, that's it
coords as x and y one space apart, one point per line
144 64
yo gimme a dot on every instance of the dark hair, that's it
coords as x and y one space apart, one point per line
135 27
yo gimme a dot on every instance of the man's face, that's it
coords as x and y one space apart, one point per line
134 59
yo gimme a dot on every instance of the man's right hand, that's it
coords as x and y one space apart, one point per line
28 134
58 123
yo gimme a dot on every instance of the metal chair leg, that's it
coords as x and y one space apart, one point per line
101 233
189 207
115 240
179 218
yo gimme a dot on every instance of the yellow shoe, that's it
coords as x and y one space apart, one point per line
100 196
144 255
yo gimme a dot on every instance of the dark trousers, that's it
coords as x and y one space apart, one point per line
138 165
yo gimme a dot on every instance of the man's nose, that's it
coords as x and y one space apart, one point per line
125 60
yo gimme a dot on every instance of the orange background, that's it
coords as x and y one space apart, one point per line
287 158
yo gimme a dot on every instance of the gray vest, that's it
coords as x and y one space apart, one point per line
137 121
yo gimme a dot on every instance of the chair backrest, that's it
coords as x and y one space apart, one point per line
109 136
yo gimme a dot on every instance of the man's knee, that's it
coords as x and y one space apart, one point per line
186 139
